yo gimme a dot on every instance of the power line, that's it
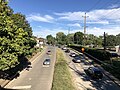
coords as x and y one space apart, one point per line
94 5
109 13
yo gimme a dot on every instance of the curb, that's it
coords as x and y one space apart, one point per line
31 60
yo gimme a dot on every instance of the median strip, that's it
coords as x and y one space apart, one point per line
62 79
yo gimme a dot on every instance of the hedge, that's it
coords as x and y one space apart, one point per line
99 54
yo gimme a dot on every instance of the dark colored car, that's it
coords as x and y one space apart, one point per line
67 50
95 72
114 54
46 62
82 58
76 59
49 52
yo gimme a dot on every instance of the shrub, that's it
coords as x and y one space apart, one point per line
99 54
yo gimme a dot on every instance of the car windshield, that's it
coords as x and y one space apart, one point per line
72 53
77 57
47 60
97 72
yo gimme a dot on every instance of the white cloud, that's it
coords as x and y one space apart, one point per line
99 31
75 25
71 16
39 18
114 6
95 30
104 22
109 18
44 32
95 15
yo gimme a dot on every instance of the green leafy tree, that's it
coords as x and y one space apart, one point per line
111 40
118 39
78 38
8 58
50 39
15 37
96 41
21 22
70 39
61 38
27 42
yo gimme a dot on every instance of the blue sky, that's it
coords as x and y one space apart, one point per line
52 16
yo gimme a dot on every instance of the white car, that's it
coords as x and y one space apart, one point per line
46 62
72 54
64 48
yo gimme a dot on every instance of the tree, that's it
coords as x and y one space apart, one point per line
61 38
118 39
50 39
15 37
96 41
70 38
111 40
78 38
29 41
21 22
8 58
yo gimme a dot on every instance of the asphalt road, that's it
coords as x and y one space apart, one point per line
39 77
85 82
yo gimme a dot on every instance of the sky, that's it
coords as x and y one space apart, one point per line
52 16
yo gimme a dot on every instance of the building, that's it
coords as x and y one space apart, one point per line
40 42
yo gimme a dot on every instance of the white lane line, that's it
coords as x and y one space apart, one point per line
30 78
22 87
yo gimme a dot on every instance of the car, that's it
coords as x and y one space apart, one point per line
48 52
82 58
67 50
114 54
76 59
64 48
46 62
72 54
94 72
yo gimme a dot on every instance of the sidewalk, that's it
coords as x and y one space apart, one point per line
4 82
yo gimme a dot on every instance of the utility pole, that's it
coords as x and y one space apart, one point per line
69 30
104 41
85 27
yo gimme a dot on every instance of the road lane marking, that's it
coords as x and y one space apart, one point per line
40 55
22 87
30 78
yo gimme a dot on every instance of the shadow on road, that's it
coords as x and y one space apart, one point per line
24 63
1 88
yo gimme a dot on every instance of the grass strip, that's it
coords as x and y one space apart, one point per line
62 79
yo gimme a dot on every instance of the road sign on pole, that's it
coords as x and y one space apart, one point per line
83 49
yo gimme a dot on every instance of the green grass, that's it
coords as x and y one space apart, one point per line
62 79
